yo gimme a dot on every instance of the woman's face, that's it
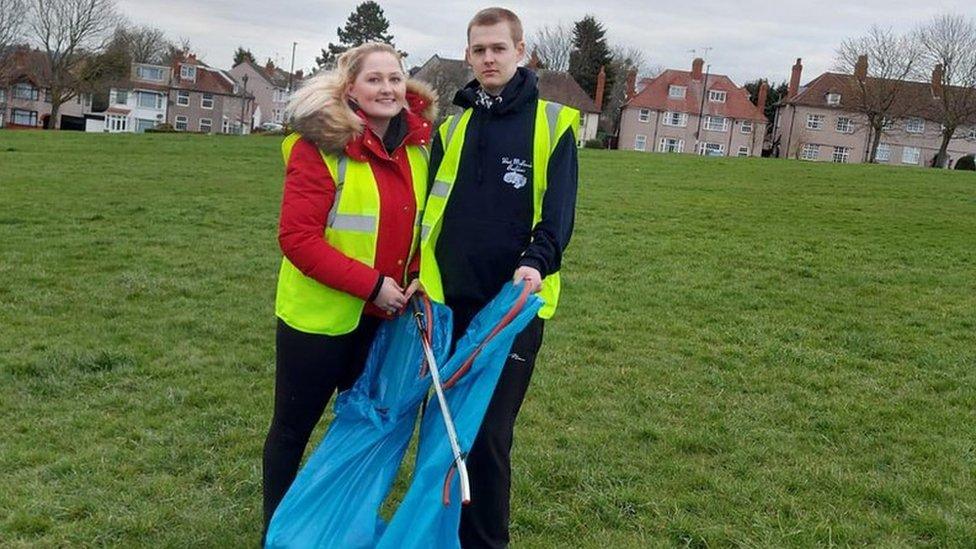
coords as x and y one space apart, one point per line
380 88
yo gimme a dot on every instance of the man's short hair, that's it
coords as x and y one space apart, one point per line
492 16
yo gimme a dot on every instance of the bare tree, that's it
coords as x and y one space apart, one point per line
11 27
625 60
552 45
146 44
948 42
881 62
69 32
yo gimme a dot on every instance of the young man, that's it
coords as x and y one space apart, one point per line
501 207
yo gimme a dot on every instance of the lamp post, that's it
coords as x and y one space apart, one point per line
243 101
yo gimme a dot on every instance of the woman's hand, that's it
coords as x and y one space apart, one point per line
390 298
413 288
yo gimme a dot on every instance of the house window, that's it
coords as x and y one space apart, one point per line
746 126
207 101
121 97
225 126
640 142
23 118
116 123
716 96
711 149
676 119
915 125
150 73
833 99
883 154
716 123
278 115
910 155
182 123
188 72
676 92
841 155
815 121
47 95
206 125
183 98
26 91
149 100
810 152
143 124
644 115
743 151
671 145
280 95
972 132
887 124
845 124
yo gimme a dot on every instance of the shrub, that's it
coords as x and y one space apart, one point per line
162 128
593 144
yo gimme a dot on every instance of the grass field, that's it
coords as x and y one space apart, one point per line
748 352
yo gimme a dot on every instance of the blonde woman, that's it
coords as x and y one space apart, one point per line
354 192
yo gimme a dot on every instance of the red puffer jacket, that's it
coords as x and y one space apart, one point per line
309 193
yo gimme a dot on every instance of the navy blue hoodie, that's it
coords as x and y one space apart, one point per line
487 228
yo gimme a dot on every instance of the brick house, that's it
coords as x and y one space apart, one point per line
270 86
136 103
208 100
25 94
692 112
821 122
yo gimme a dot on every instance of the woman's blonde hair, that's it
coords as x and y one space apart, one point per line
326 87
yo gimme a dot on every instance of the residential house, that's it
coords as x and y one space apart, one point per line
821 121
447 76
208 100
136 103
270 86
25 94
692 112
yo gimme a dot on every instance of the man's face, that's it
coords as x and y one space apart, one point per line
493 55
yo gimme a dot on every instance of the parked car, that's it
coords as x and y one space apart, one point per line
271 127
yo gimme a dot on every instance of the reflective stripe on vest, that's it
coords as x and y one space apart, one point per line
552 121
351 227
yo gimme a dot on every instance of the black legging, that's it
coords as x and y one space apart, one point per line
308 369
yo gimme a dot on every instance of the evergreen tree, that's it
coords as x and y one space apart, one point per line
772 97
590 52
366 24
241 55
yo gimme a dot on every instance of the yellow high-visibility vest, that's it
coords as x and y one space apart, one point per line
351 227
552 120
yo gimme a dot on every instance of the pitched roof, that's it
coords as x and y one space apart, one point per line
914 98
26 63
654 95
561 87
208 79
273 75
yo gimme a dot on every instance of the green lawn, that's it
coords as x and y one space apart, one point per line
748 352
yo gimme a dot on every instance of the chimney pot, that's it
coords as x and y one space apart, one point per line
795 79
696 68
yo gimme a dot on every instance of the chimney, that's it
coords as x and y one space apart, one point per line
696 68
861 68
191 58
761 97
631 84
269 66
601 83
937 75
534 61
299 74
795 79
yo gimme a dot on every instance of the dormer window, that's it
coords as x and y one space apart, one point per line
188 72
676 92
149 73
716 96
833 99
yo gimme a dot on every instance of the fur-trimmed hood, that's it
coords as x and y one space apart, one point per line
320 113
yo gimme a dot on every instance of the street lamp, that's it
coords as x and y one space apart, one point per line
243 101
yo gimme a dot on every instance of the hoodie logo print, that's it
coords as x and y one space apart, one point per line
515 171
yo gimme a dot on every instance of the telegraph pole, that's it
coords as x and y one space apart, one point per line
291 73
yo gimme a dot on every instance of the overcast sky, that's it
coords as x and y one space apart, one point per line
749 38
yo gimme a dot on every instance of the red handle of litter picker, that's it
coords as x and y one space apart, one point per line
505 321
